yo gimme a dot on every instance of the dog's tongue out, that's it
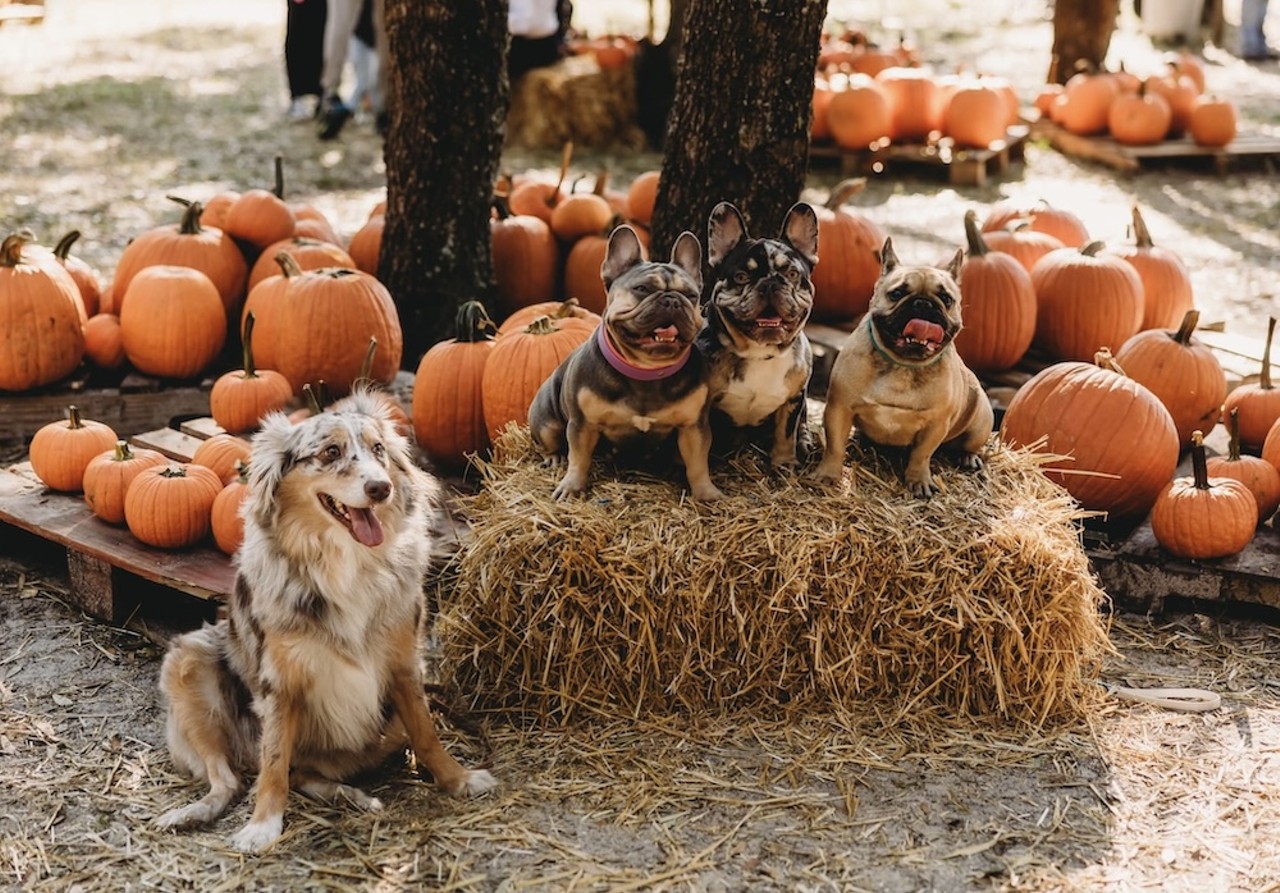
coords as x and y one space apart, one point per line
365 527
665 334
923 330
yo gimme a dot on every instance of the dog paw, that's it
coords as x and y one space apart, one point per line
708 493
474 783
359 798
921 489
568 489
971 462
257 836
191 816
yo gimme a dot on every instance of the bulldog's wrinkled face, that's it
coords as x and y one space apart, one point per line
916 310
762 287
651 310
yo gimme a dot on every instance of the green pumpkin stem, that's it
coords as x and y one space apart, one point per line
1199 464
63 249
1264 380
843 191
1189 322
973 233
473 323
1233 430
250 371
1141 237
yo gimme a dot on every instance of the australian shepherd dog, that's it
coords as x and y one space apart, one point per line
315 673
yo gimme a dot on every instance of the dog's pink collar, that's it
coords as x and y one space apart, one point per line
630 370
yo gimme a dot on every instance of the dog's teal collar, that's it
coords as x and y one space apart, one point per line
631 370
896 360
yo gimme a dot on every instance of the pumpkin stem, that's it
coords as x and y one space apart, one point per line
173 471
247 346
288 264
566 154
242 471
500 204
278 189
973 232
845 190
190 225
1233 430
73 417
1189 321
312 401
541 326
1092 248
1105 360
601 181
122 452
63 249
11 248
1264 380
1199 464
473 323
366 365
1140 234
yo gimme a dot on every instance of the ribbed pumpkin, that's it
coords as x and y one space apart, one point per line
214 211
582 268
313 224
915 100
108 475
1024 244
448 419
1166 282
172 324
848 257
859 113
1142 118
186 244
1260 476
526 258
520 362
1258 402
1120 441
642 195
1040 216
41 314
260 218
170 506
537 197
224 517
310 254
1084 103
579 214
365 247
240 398
1181 94
554 309
999 305
1202 516
1271 446
819 126
60 451
1085 300
264 301
322 323
1183 373
220 454
86 277
103 345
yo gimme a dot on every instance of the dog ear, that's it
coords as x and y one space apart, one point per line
888 260
623 253
272 457
725 229
365 400
953 268
800 231
686 254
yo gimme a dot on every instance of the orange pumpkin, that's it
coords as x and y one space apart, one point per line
848 257
108 475
999 305
582 269
264 301
214 211
1117 440
1166 282
313 224
86 277
1181 94
859 113
538 198
260 218
43 314
976 115
1040 216
170 506
1084 103
1139 119
448 418
819 127
1189 65
1260 476
365 247
172 322
1024 244
1183 373
642 195
915 100
579 214
526 258
220 454
1271 445
310 254
1258 402
1213 121
224 516
554 309
240 398
1202 516
103 345
60 451
520 362
1085 301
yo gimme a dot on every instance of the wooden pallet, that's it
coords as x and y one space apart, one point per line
30 11
963 167
1130 159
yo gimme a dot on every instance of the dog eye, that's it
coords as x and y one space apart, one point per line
379 450
792 274
741 278
331 453
900 292
945 297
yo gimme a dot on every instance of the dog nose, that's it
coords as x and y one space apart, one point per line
378 491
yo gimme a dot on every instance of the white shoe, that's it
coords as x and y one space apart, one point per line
300 110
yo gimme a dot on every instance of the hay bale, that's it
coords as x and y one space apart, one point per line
638 600
577 101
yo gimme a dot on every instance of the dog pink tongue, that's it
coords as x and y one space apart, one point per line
666 333
923 330
365 527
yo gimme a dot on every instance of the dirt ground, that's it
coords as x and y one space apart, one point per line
111 104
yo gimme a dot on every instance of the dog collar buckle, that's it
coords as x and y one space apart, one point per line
632 371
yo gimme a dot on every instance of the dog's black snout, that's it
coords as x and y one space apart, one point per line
924 306
378 491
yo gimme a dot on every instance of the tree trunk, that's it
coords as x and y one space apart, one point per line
739 125
1081 35
447 97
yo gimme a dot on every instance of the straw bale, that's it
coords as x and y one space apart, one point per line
577 101
639 601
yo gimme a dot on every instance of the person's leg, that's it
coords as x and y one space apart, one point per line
338 28
1253 44
304 52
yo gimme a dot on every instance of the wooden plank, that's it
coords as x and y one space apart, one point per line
174 444
1132 158
202 428
962 166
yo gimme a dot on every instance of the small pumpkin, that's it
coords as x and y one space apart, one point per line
172 321
1166 282
240 398
214 211
1258 402
60 451
554 309
1213 121
220 453
225 521
365 247
1260 476
1271 446
103 345
520 362
859 112
1202 516
1085 300
848 258
43 314
526 257
170 506
1021 242
86 277
1084 103
448 417
108 475
999 305
579 214
1063 225
260 218
642 195
539 198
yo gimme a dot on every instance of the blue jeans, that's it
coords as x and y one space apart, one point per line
1252 14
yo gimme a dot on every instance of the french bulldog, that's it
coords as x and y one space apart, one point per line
640 377
899 379
757 300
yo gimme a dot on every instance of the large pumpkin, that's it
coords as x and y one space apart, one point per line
172 322
526 258
448 418
859 112
848 257
1259 401
520 362
108 475
60 451
1183 373
999 305
41 314
1202 516
1117 441
1085 300
1166 283
170 506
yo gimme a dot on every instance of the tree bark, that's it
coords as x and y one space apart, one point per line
739 124
447 98
1081 35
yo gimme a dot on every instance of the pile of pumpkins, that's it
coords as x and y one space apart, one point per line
866 98
1142 110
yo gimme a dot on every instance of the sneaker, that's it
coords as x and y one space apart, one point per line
333 116
300 110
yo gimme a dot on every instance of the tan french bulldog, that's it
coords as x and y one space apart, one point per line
899 379
639 378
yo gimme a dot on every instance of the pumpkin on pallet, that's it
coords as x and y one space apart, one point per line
103 344
108 475
87 280
1258 402
240 398
222 454
61 451
170 506
43 314
1260 476
225 522
172 321
1202 516
448 417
